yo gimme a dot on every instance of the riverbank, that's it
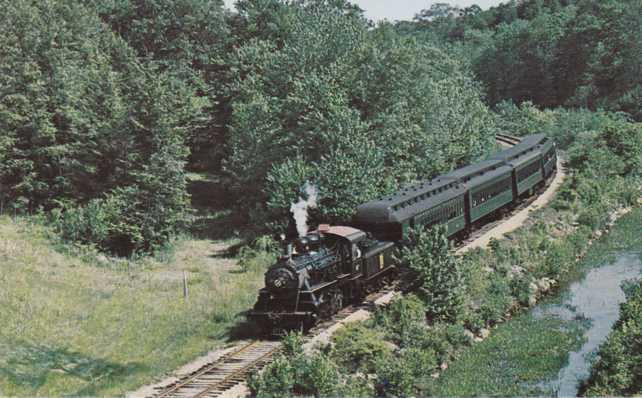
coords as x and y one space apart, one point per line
618 370
524 356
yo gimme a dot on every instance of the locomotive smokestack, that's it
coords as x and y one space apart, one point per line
300 209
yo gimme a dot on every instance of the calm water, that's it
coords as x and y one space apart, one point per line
596 298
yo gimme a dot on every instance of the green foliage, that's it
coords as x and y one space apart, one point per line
357 346
275 379
619 367
151 204
394 377
259 255
520 289
184 32
88 123
188 39
523 52
580 53
511 361
441 340
58 115
497 301
320 97
293 345
439 273
284 181
293 371
402 319
523 355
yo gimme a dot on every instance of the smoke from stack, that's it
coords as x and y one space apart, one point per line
300 209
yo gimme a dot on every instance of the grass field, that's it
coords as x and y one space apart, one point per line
525 351
87 325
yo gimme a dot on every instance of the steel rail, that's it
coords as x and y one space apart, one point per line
231 366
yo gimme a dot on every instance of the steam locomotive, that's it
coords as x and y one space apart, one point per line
333 266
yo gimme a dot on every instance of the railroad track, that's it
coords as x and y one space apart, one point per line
509 140
215 378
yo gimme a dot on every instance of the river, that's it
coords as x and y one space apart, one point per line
596 299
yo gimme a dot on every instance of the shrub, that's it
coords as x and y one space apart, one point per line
124 222
497 300
419 361
438 272
355 386
394 377
520 288
558 258
401 318
456 335
474 320
293 371
293 345
278 377
260 254
320 376
398 374
357 345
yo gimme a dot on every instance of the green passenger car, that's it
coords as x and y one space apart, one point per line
489 186
463 196
438 201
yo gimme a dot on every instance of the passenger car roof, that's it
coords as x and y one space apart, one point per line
410 201
468 172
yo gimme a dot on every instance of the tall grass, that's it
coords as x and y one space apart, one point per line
91 325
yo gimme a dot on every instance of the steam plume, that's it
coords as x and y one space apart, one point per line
300 209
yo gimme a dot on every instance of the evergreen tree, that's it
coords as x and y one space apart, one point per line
438 272
89 130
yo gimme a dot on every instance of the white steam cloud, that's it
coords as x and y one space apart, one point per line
300 209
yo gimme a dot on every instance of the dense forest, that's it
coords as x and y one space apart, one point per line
106 105
576 53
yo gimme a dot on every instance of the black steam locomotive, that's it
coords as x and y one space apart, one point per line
337 265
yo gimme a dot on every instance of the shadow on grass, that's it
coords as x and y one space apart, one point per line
31 366
215 218
231 251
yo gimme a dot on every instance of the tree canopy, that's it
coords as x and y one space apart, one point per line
578 53
105 105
